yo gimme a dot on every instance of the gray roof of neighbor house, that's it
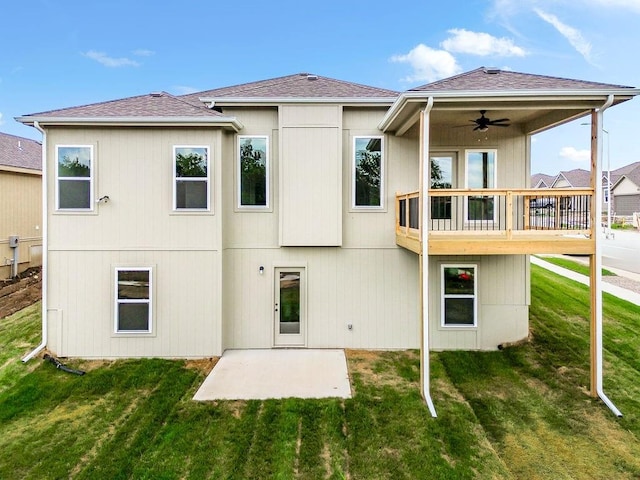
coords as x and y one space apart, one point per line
546 180
632 174
20 152
300 85
619 172
486 79
577 177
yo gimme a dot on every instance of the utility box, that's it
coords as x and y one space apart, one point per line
13 241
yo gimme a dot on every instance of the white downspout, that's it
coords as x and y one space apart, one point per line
45 246
598 258
425 209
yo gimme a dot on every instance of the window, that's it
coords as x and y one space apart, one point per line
441 177
133 300
459 296
74 175
367 172
481 173
191 174
253 171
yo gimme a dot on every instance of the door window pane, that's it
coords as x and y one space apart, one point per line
289 302
481 173
441 178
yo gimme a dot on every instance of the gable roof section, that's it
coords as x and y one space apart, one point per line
487 79
541 180
577 178
548 101
160 107
20 153
633 175
297 87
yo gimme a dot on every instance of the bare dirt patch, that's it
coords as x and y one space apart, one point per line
202 365
20 292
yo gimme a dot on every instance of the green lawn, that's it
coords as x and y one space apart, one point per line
574 266
522 412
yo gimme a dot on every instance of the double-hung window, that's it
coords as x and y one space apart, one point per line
191 178
74 177
133 300
368 172
253 171
459 295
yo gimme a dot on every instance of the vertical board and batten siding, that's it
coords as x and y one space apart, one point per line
310 172
368 282
503 280
20 214
374 290
136 228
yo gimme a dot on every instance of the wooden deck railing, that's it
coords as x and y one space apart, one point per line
495 213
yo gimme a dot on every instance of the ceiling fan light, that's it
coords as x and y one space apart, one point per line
483 129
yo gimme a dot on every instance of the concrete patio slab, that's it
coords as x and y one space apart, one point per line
277 373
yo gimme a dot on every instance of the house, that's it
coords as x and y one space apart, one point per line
625 190
20 204
304 211
541 180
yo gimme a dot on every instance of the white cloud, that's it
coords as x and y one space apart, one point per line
141 52
428 64
483 44
628 4
108 61
572 34
571 153
1 121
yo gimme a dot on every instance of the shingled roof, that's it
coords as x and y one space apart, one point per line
490 79
19 152
160 104
300 85
577 178
542 179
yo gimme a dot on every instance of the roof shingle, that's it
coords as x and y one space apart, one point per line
19 152
300 85
484 79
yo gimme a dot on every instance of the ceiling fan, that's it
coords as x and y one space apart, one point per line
483 123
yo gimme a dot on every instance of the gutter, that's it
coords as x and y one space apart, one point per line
230 122
598 262
45 248
425 209
247 101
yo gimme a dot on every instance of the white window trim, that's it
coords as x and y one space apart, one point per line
466 183
90 179
365 208
118 301
443 296
191 179
239 205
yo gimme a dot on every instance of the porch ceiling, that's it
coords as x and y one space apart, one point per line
531 115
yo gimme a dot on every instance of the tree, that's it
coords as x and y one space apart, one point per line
73 168
191 165
253 175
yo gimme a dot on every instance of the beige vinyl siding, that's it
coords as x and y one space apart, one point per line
375 228
502 303
136 228
310 172
186 321
134 167
20 214
374 290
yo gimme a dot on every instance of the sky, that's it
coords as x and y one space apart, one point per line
62 53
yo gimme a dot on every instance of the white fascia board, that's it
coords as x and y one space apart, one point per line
26 171
230 122
253 101
501 95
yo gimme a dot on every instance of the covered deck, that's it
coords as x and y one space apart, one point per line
498 221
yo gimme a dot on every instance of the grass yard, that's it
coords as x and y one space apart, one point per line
521 413
574 265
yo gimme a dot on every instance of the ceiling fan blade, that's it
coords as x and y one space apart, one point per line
500 120
500 125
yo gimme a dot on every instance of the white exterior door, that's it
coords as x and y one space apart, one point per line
289 307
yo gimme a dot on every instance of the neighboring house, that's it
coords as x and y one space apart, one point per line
20 204
625 190
540 180
265 215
